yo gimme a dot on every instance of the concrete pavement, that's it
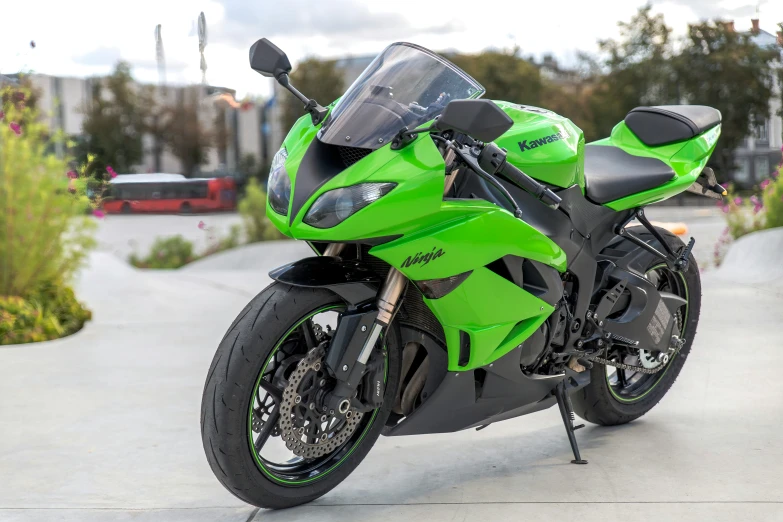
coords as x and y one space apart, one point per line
104 425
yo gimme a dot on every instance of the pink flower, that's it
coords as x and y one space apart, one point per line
757 204
111 171
776 173
725 209
15 127
738 200
98 213
764 184
202 225
72 174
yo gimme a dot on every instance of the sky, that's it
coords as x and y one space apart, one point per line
79 38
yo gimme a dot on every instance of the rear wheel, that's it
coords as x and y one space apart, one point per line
617 396
264 431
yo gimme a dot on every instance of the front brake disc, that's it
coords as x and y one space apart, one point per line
307 430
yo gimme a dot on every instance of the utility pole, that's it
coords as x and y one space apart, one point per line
202 43
161 58
161 93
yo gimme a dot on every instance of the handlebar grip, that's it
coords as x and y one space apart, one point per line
524 181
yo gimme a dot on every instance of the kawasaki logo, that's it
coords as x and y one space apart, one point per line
524 145
422 258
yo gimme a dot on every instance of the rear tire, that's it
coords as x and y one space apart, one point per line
230 389
597 403
126 208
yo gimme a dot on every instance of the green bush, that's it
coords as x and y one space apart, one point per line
252 208
58 300
44 234
25 322
763 209
50 313
166 252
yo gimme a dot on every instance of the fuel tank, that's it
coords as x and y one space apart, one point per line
544 145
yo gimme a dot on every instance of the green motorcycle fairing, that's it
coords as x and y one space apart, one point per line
427 236
460 235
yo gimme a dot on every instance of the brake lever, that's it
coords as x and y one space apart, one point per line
472 162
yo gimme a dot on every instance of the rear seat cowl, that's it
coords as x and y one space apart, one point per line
664 124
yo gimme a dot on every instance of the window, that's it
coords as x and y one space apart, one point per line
742 173
761 131
762 168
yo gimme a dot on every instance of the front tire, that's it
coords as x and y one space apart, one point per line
230 391
606 403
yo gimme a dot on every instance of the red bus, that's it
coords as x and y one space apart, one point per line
130 193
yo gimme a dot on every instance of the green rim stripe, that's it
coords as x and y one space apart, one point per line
252 400
685 325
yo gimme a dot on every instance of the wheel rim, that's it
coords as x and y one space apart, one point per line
278 463
627 386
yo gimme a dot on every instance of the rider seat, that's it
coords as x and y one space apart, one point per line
664 124
611 173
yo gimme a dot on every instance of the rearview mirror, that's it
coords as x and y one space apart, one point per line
267 59
480 119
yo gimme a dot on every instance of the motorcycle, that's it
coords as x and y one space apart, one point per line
474 261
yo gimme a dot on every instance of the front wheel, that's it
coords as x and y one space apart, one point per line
264 432
617 396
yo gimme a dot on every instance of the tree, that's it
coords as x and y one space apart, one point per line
573 101
222 134
636 70
154 124
114 123
186 136
318 79
726 70
504 74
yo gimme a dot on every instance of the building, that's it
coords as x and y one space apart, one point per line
760 152
62 102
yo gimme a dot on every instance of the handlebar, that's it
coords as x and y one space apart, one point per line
492 160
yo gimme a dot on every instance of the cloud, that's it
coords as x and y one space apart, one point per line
712 9
245 21
99 57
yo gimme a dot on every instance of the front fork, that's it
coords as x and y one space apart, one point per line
356 337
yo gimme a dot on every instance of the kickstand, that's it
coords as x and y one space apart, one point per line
567 412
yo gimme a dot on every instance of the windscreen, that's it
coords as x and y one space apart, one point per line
405 86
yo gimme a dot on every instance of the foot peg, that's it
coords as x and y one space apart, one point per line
684 258
567 412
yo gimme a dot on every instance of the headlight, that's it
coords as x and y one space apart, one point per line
279 184
335 206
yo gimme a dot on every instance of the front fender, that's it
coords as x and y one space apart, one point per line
354 281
